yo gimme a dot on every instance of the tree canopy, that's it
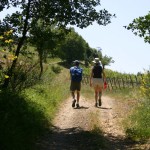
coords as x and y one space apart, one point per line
73 47
74 12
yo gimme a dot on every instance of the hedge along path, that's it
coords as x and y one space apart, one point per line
70 126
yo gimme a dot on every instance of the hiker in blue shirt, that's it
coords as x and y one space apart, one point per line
75 86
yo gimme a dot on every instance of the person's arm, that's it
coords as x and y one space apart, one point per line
82 73
69 74
104 75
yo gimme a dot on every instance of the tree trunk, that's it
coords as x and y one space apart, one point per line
41 64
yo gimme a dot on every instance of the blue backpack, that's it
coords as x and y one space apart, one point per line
76 73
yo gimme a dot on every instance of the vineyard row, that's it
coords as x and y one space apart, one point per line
118 82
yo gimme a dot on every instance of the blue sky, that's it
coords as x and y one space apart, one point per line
130 53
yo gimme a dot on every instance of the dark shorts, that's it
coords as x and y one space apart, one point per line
75 86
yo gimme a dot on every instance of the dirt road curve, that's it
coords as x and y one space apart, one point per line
71 130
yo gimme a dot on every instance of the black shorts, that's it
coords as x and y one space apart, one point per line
75 86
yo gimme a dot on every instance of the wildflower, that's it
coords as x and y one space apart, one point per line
11 31
6 76
6 41
1 37
15 57
10 40
6 33
12 57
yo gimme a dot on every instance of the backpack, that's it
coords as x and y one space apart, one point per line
76 73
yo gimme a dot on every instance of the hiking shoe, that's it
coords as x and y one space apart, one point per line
73 103
99 102
96 104
77 105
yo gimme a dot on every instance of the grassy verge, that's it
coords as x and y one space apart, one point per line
137 123
27 115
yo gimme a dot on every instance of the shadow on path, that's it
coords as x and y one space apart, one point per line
81 107
104 108
77 139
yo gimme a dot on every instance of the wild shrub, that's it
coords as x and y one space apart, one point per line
25 75
145 86
56 68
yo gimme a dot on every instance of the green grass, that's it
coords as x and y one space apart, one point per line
49 94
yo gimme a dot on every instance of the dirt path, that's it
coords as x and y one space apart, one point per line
72 128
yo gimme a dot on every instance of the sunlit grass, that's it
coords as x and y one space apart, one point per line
50 93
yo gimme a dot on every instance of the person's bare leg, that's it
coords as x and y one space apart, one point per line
96 95
73 94
78 96
100 96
